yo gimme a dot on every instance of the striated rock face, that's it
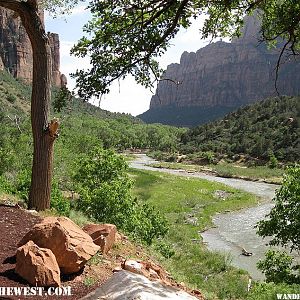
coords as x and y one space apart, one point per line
15 49
225 75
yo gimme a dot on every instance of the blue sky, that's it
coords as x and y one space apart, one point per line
127 97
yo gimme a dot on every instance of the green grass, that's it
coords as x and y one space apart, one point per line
175 197
263 173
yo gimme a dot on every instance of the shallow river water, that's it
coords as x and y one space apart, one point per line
234 230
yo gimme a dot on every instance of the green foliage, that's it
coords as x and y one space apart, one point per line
59 7
273 161
105 194
268 291
165 249
22 184
61 99
11 98
5 185
277 267
283 220
255 131
283 226
58 202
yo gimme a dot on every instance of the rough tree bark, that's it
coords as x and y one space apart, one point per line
44 133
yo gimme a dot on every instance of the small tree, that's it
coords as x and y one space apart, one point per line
278 267
283 225
61 99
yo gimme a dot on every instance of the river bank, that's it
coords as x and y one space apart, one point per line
226 170
234 230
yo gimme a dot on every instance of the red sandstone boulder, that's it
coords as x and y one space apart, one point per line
71 246
103 235
37 265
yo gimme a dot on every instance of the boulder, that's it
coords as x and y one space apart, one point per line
71 246
37 265
103 235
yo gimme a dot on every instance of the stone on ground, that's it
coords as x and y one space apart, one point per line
37 265
126 285
71 246
103 235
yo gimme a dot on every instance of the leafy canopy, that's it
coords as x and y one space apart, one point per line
59 7
126 37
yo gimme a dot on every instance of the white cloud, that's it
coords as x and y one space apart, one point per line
128 97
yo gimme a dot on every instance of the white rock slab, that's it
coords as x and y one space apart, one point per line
125 285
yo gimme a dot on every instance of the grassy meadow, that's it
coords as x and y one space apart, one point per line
189 205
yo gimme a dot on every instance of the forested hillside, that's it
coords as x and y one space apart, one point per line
261 130
83 126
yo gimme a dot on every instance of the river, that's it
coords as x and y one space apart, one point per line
234 230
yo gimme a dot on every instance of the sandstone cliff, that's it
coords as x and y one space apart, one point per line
223 75
15 49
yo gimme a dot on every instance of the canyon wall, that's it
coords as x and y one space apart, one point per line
221 77
15 49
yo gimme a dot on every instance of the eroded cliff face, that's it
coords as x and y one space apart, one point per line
226 75
15 49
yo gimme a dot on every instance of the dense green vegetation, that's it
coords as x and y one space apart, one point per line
263 130
84 127
105 195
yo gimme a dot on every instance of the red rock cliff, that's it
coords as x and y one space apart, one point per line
227 75
15 49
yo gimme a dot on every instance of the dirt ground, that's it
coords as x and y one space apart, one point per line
14 224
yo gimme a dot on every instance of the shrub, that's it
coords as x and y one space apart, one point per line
273 161
268 291
5 186
166 250
58 202
282 223
277 267
11 98
21 188
105 194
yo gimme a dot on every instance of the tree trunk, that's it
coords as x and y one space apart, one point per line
43 138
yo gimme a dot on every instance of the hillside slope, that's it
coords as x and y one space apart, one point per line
269 126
